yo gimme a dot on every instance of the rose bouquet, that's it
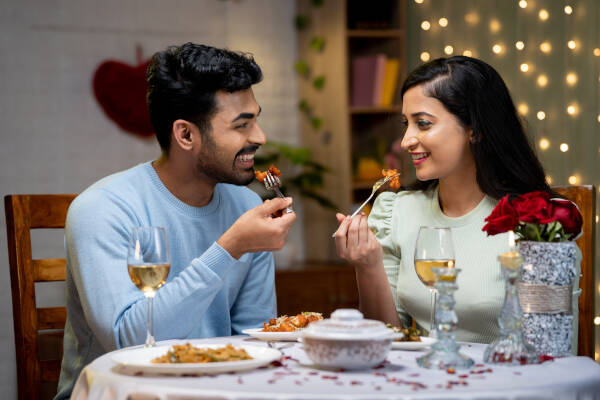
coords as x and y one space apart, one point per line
535 216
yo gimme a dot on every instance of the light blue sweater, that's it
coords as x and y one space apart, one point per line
208 292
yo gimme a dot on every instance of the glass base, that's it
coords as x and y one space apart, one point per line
510 350
437 359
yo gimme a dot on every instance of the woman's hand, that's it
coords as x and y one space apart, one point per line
356 243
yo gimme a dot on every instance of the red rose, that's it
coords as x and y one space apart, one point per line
567 213
503 218
534 207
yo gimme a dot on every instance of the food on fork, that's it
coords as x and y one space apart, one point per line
291 324
395 181
260 176
187 353
410 334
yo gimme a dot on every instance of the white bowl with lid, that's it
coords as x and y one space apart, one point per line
347 341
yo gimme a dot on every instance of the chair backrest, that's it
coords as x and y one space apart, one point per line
585 198
38 367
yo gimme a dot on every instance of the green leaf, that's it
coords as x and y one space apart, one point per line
297 155
304 106
302 68
317 43
316 123
319 82
302 22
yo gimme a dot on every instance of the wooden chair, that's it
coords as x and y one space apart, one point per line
38 331
585 198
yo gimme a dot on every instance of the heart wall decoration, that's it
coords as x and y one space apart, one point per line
120 89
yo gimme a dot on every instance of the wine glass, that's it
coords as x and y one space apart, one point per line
434 249
148 264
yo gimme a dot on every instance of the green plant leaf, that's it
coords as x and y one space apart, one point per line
296 155
302 22
316 123
319 82
302 68
304 106
317 43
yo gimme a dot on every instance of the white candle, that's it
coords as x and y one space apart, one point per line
511 240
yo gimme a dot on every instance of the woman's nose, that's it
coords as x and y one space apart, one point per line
409 140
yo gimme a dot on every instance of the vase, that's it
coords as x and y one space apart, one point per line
545 294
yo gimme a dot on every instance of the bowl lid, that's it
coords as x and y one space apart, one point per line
347 324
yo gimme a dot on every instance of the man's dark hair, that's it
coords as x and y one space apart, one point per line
183 80
476 94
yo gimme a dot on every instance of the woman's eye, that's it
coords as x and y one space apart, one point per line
404 122
422 123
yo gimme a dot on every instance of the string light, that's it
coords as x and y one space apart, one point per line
573 109
597 52
597 218
545 47
523 3
520 45
572 44
571 78
573 180
544 144
495 25
425 56
468 53
472 18
498 48
543 14
524 67
542 80
549 179
448 49
425 25
598 117
523 108
568 10
443 22
541 116
419 1
564 147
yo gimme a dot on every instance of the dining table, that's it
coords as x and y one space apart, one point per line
292 375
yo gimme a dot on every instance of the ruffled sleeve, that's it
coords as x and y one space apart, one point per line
380 222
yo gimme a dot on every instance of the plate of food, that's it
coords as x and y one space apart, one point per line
201 359
284 328
411 339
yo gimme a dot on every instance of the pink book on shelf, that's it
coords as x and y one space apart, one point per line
379 80
364 71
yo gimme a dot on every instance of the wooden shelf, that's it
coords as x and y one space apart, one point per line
375 33
375 110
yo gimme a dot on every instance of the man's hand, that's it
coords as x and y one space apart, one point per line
356 243
259 229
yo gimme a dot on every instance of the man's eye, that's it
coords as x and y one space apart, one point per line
241 126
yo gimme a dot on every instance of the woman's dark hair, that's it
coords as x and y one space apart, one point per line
476 94
183 80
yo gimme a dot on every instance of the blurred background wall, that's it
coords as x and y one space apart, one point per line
56 139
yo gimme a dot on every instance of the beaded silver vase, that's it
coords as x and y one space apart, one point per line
545 294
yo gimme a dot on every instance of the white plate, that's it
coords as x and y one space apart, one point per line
424 343
139 359
258 333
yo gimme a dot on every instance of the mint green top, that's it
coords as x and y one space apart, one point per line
395 220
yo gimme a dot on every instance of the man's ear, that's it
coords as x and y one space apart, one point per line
473 137
183 134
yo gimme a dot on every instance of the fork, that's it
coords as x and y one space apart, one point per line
272 182
378 184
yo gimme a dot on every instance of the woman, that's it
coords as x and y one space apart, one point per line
469 149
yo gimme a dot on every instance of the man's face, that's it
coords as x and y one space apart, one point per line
227 152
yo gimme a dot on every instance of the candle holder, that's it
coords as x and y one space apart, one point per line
510 347
444 353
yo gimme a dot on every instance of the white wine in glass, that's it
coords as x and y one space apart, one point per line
148 265
434 249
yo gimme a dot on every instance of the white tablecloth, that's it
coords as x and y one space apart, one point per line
298 378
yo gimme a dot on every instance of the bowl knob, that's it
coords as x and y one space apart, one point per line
346 314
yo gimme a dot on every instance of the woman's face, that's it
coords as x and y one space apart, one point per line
437 143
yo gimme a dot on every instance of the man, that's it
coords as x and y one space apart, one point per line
220 235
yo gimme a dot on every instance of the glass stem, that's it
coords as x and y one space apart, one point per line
150 342
432 332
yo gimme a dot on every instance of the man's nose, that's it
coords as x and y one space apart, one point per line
257 135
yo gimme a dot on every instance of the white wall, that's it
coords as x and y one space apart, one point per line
54 137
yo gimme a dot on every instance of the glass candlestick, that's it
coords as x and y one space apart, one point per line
444 353
510 347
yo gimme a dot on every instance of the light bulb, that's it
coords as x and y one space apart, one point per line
571 78
541 116
524 67
425 56
598 117
425 25
568 10
573 109
443 22
419 1
549 179
472 18
542 80
495 25
523 3
545 47
520 45
572 44
573 180
543 14
597 52
497 48
468 53
564 147
523 108
448 50
544 144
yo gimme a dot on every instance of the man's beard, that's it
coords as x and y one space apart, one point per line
211 165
